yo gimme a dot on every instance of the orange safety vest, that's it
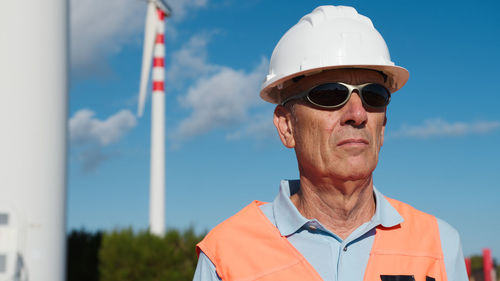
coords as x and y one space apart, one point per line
248 246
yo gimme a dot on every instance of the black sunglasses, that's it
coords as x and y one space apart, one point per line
336 94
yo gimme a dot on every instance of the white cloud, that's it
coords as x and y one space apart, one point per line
220 99
101 28
190 61
92 157
181 7
84 128
438 128
219 96
259 127
92 135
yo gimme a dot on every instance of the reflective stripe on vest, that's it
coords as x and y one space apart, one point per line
247 246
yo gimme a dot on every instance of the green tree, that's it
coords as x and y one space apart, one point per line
129 256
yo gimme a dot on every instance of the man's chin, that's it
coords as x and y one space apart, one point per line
356 172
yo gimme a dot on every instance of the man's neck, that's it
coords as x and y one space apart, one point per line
339 206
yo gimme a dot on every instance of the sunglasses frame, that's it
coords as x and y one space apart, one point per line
350 88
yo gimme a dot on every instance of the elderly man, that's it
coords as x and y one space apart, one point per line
332 78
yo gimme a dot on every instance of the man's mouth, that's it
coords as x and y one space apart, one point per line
353 142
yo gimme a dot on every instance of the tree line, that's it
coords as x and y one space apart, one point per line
125 255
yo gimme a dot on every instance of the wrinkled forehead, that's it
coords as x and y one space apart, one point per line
351 76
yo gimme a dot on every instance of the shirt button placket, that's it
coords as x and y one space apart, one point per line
342 253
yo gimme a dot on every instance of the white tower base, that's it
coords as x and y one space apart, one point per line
157 185
33 120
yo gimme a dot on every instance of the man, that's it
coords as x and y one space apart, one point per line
332 78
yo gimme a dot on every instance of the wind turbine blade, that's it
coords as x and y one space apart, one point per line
147 53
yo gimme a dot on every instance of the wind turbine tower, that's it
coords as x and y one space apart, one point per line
33 119
154 51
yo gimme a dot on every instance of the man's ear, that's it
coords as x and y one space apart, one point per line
283 120
383 131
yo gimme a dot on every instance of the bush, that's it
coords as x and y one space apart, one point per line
477 268
129 256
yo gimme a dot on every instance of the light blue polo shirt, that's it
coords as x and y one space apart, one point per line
332 257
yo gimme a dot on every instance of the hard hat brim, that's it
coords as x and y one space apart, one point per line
396 78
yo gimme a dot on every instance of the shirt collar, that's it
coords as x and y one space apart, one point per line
385 213
289 220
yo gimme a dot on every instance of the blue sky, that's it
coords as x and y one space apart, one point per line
441 148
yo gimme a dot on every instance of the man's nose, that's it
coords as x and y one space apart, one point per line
354 113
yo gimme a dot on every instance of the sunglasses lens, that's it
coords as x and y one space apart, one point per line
376 95
330 95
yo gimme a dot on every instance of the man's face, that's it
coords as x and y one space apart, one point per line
336 144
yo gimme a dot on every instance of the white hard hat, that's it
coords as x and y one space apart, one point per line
331 37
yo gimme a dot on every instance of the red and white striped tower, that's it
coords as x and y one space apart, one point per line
468 267
157 184
154 50
488 265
